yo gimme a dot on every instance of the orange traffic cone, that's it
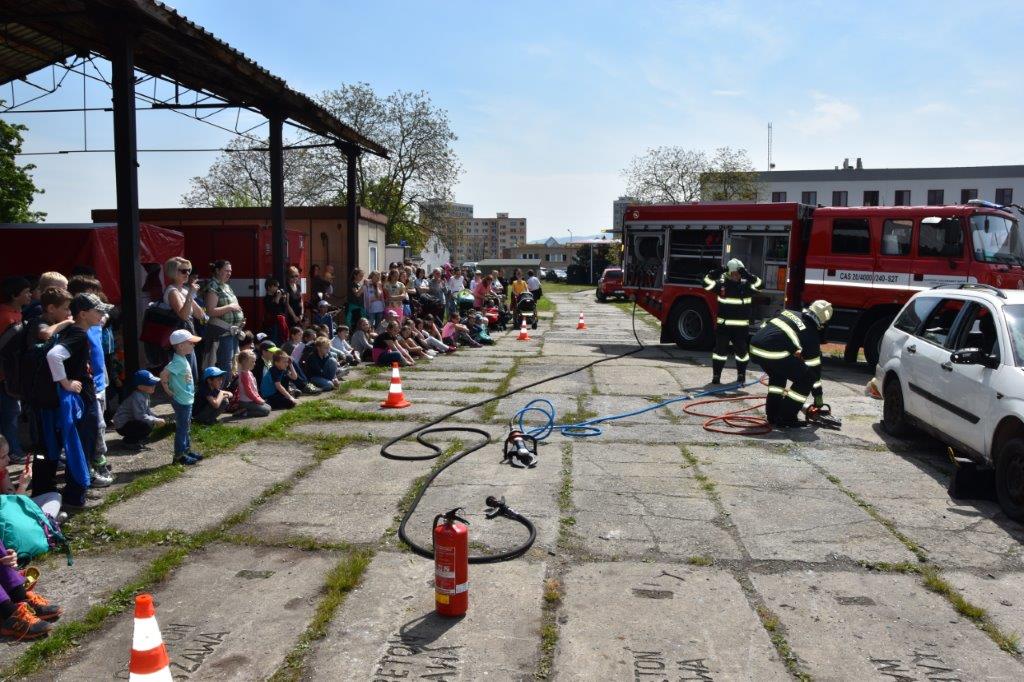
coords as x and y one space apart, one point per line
582 324
149 660
395 396
523 334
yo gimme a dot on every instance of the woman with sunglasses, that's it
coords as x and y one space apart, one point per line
180 297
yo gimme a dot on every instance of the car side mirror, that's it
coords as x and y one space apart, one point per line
974 356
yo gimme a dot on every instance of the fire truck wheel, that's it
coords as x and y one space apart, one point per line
1010 478
873 340
690 324
894 416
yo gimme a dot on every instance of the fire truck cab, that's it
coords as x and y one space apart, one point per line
867 261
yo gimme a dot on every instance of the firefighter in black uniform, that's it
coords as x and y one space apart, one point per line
735 288
788 348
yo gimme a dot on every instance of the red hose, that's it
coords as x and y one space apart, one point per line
735 422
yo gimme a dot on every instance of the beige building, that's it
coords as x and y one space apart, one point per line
473 238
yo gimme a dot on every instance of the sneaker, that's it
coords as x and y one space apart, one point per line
196 456
100 479
310 389
43 607
187 460
23 624
295 393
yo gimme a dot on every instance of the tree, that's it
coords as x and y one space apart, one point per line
421 163
589 262
673 175
17 188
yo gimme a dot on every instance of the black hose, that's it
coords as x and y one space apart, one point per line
436 452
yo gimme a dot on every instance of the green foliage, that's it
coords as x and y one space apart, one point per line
603 255
16 185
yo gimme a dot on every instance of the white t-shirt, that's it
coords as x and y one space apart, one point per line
456 284
532 283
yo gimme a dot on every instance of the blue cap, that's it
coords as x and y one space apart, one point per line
144 378
212 372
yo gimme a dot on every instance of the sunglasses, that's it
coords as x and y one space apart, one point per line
186 271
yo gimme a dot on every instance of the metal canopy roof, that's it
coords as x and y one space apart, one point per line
37 33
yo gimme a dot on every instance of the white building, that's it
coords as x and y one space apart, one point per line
853 185
434 254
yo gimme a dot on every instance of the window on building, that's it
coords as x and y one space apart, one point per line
870 197
851 236
778 197
968 194
940 237
936 197
896 237
840 198
809 198
901 198
1004 196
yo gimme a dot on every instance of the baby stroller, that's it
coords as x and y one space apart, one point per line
464 302
429 305
526 309
495 312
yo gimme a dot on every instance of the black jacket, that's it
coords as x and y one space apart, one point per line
786 334
734 296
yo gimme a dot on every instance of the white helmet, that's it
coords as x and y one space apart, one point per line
734 265
821 311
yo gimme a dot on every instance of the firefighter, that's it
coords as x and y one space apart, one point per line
788 348
735 287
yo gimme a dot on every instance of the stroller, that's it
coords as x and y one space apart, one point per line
464 302
526 309
428 304
496 313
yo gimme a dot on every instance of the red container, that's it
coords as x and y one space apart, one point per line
451 565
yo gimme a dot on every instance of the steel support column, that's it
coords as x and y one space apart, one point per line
127 182
351 212
277 197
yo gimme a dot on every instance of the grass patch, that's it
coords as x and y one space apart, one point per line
470 389
770 622
641 314
548 642
376 386
886 567
491 408
342 579
907 542
700 561
552 591
934 581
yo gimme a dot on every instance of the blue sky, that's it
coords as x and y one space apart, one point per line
551 100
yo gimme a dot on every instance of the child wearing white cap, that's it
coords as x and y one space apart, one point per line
176 379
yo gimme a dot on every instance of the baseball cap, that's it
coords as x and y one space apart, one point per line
212 372
144 377
267 345
183 335
83 302
323 304
261 337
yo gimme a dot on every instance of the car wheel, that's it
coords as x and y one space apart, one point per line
601 297
1010 478
873 340
894 415
690 325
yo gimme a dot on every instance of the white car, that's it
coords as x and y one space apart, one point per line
952 365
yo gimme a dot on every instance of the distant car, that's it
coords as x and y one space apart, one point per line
562 275
952 365
610 284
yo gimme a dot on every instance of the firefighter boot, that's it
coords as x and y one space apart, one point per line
741 372
716 370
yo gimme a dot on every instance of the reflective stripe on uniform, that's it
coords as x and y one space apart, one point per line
793 395
709 283
788 331
733 323
794 318
769 354
756 283
723 358
817 384
776 389
735 301
813 362
745 358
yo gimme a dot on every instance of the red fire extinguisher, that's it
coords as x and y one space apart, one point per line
451 564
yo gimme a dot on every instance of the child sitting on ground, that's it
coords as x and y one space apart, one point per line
48 502
134 418
176 379
409 343
322 369
340 343
213 399
24 614
362 340
247 395
276 387
457 334
323 316
428 341
387 350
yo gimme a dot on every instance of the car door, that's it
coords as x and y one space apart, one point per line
925 354
967 389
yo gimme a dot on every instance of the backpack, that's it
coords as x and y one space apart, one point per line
27 530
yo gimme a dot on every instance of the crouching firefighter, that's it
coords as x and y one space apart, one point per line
788 348
735 288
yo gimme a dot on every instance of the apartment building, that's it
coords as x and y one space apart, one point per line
473 238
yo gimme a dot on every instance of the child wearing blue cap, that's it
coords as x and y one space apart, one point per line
212 400
134 418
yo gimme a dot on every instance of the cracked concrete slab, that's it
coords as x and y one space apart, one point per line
1002 597
660 622
850 626
387 628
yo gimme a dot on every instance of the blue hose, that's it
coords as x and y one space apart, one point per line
588 428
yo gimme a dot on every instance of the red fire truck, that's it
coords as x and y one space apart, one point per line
867 261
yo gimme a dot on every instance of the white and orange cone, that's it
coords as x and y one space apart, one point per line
149 661
395 396
582 324
523 334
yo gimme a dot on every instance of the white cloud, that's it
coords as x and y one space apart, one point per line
727 93
933 108
829 115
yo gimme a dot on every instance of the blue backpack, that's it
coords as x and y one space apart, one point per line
27 530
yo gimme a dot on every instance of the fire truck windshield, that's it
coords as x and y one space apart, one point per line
996 239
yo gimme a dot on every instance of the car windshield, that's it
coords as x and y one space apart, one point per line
1015 323
996 239
613 274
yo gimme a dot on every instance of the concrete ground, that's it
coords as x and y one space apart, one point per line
664 551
